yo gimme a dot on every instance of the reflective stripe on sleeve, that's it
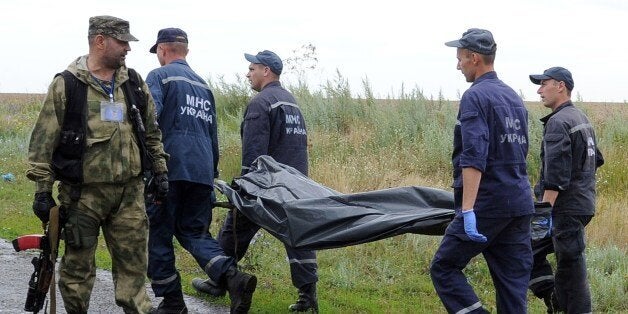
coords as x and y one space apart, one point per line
185 79
283 103
580 127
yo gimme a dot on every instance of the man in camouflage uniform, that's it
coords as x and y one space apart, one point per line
110 194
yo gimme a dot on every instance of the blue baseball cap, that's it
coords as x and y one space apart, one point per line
169 35
557 73
477 40
267 58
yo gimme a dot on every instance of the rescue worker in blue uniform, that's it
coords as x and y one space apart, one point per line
569 159
492 195
187 118
273 125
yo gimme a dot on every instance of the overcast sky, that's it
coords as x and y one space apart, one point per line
391 42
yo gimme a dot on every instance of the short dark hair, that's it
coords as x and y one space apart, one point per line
487 59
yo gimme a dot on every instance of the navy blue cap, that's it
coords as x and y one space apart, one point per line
557 73
477 40
267 58
169 35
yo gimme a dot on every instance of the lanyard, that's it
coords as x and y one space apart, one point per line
108 91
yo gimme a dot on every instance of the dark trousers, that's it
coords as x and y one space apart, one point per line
303 267
508 256
570 282
186 215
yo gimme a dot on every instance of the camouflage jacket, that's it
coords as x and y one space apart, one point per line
112 154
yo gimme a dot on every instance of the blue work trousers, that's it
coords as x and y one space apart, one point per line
570 280
507 253
186 215
303 266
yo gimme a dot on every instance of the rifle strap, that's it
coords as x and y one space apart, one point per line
53 235
135 97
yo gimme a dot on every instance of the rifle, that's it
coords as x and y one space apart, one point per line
150 186
44 264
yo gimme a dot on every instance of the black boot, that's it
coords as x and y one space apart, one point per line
241 287
172 304
207 286
307 301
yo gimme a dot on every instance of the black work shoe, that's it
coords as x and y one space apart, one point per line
206 286
307 301
165 308
241 287
303 306
172 304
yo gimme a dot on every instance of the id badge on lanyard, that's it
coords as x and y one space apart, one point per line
110 111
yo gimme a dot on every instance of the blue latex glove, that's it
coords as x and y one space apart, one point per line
470 226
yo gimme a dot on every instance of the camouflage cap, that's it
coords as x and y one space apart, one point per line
110 26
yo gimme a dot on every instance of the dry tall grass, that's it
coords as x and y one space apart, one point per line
351 161
360 145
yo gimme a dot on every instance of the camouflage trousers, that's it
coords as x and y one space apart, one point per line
117 209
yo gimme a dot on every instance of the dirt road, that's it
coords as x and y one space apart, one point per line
16 268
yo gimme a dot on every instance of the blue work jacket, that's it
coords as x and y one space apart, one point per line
491 135
187 118
273 125
569 160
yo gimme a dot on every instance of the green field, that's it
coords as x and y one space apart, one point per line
360 144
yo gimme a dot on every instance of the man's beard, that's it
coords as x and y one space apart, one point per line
114 62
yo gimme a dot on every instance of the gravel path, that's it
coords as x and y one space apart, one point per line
16 269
